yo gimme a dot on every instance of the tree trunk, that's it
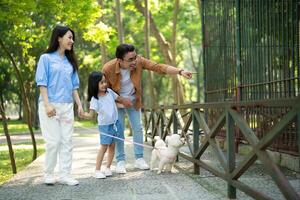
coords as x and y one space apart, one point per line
20 107
176 84
153 100
9 145
24 97
119 22
165 49
104 58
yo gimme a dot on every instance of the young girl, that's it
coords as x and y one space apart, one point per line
102 101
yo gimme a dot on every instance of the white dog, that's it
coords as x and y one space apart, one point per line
165 154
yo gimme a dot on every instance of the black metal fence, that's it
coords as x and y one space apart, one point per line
251 52
187 120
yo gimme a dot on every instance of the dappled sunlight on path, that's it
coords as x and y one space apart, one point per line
135 184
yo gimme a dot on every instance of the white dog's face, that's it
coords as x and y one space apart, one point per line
165 154
175 140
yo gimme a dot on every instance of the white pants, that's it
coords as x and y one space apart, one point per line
57 133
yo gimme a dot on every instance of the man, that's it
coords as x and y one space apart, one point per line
124 74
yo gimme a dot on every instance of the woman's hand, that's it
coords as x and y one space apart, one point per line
80 111
86 115
50 110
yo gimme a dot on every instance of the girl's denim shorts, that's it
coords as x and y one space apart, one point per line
110 133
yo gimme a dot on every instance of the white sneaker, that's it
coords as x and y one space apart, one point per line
141 164
49 179
120 169
68 181
107 172
99 174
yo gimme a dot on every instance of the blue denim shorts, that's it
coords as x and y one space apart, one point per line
106 131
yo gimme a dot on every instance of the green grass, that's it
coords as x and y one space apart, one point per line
85 123
25 142
23 157
15 127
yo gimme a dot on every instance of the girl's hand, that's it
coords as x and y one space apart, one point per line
126 102
81 114
50 110
86 115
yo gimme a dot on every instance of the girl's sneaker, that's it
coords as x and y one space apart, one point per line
108 172
99 174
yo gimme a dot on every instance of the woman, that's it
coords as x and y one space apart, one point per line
58 81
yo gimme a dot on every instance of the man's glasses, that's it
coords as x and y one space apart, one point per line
131 59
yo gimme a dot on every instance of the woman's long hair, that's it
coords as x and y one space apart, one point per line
60 31
93 84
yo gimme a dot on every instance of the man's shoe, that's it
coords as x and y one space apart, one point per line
49 179
99 174
141 164
120 169
107 172
68 181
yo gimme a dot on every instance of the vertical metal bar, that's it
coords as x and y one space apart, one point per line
293 8
279 76
298 133
274 67
152 124
258 50
238 49
219 38
175 121
274 50
266 51
270 52
196 139
298 47
247 79
251 44
288 50
222 47
265 55
203 49
162 122
238 59
281 52
261 50
231 191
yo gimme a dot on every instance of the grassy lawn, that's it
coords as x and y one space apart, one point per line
23 157
16 127
85 123
17 144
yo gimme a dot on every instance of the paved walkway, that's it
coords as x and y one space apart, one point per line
135 184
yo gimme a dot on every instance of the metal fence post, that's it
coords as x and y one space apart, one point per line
175 120
298 134
231 191
162 122
196 134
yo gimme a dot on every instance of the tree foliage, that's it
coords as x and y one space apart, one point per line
26 27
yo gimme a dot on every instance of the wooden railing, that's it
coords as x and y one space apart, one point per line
190 121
